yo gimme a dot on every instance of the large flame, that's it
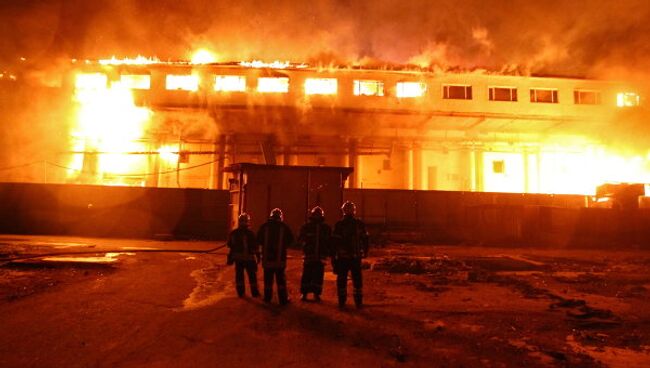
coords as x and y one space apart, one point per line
109 131
203 56
562 169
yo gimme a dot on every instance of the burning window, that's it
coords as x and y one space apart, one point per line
91 81
273 85
136 81
627 99
321 86
230 83
499 167
546 95
410 89
583 97
368 88
457 92
502 94
182 82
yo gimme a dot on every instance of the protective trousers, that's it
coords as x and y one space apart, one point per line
281 280
343 267
251 269
312 277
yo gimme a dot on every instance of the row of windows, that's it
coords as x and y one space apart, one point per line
329 86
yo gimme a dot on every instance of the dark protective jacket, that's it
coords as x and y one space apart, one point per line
350 239
274 237
315 239
243 245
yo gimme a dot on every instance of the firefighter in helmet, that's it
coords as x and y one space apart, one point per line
315 241
350 245
244 253
275 236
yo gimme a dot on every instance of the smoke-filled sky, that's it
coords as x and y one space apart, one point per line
593 38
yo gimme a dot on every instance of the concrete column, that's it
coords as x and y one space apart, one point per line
154 166
477 182
220 149
355 162
416 167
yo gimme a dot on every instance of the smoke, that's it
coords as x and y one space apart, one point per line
591 38
556 37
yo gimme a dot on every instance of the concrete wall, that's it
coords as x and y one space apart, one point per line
502 219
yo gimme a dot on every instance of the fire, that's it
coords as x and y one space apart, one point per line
168 154
410 89
627 99
273 65
139 60
230 83
273 85
109 128
562 170
321 86
203 56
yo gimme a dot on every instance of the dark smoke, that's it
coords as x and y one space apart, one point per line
551 37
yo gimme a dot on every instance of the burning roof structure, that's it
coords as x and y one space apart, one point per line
407 95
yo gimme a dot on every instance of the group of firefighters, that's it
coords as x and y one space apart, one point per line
346 245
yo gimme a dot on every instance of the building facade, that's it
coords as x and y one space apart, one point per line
398 129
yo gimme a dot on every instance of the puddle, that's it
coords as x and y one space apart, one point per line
59 245
575 274
611 356
212 285
519 273
107 258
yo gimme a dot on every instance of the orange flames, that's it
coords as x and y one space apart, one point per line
108 127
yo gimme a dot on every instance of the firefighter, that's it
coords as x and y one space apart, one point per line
275 236
244 253
350 241
315 241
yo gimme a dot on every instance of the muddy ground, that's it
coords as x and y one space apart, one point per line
426 306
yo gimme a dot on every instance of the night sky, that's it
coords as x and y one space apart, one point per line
588 38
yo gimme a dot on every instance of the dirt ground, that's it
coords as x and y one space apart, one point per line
141 303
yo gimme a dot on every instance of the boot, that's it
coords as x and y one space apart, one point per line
358 299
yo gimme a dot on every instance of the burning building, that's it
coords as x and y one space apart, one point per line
144 122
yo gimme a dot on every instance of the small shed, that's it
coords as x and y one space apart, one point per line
257 189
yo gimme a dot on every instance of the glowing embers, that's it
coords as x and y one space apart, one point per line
182 82
273 85
321 86
109 128
230 83
411 89
368 88
627 99
136 81
86 81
